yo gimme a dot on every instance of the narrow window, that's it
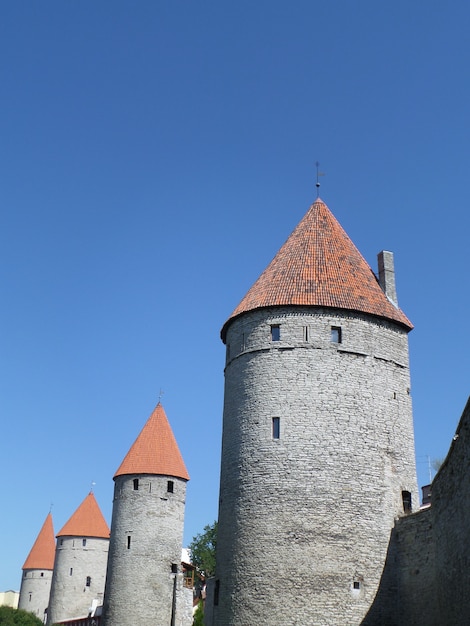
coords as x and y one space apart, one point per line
26 574
136 484
305 332
276 428
30 596
42 574
216 592
406 497
71 571
83 542
336 334
61 542
275 332
174 568
128 542
356 584
88 581
170 486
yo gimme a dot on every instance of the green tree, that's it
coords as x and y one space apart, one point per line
203 550
198 619
17 617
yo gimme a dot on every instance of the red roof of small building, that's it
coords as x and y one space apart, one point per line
155 450
319 266
87 521
42 553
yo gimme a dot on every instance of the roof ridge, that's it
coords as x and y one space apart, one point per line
155 451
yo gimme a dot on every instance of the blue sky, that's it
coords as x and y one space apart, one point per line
155 156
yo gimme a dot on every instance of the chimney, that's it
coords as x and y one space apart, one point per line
387 275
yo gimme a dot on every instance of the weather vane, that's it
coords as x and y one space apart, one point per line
160 396
317 184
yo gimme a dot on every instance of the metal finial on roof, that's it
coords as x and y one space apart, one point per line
92 485
50 508
317 184
160 396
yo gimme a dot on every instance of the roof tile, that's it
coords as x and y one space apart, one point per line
155 450
319 266
42 553
87 521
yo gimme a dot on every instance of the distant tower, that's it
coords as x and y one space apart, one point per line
80 564
144 567
318 447
37 572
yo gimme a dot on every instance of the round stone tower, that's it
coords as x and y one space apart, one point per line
37 572
144 579
317 449
80 564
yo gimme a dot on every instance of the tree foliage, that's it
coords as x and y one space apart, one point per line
203 550
198 619
17 617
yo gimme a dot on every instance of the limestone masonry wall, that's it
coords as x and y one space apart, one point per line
76 560
305 517
35 590
144 568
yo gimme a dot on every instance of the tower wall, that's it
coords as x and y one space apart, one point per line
305 518
146 541
76 560
35 591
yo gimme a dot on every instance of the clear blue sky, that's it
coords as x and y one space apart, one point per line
154 157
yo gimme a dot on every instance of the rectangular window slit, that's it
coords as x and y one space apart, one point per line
275 332
336 334
136 484
170 486
276 428
128 542
406 498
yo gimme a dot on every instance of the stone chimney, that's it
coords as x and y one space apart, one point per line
387 275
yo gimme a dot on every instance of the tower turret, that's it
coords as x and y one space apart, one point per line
37 572
317 447
144 567
80 563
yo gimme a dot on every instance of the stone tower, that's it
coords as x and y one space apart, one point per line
37 572
317 448
80 564
144 577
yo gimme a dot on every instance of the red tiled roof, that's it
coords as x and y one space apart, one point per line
155 450
42 553
87 521
319 266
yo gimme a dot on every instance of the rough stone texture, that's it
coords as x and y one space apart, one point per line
305 518
35 591
451 515
70 596
140 582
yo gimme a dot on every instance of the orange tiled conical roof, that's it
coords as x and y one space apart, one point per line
319 266
42 553
155 450
87 521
